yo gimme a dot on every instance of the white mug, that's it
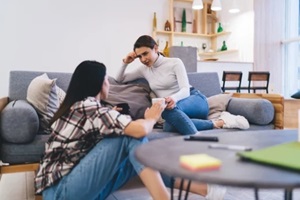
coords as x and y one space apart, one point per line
154 100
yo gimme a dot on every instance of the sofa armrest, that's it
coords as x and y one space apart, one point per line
277 101
3 103
19 122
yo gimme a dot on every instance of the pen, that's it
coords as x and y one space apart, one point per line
230 147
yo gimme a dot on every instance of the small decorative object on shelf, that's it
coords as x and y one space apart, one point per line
174 25
220 28
209 9
183 22
194 26
224 47
204 46
167 26
166 49
154 22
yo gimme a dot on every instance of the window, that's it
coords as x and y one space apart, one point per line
292 48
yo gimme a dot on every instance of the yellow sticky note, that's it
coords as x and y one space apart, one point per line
199 162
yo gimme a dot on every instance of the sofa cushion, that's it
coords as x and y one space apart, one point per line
296 95
19 122
217 104
256 111
135 93
45 96
207 83
24 153
61 94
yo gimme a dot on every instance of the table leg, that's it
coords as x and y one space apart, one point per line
180 188
288 194
256 193
187 190
172 190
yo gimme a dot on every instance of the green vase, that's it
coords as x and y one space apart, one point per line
224 47
220 28
183 21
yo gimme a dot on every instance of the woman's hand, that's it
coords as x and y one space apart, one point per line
141 127
170 103
119 109
154 112
129 58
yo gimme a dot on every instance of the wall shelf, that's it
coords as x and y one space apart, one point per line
205 27
218 52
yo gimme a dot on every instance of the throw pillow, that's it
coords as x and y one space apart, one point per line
136 94
217 104
42 93
296 95
61 94
256 111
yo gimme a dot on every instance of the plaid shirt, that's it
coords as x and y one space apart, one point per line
73 136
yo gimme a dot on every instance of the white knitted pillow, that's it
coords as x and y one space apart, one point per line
45 96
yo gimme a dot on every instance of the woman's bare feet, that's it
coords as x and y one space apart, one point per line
219 123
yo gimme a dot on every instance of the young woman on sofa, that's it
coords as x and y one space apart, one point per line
90 152
187 108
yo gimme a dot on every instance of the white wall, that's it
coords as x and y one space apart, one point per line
269 32
241 26
56 35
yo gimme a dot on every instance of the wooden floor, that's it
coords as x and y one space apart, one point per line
291 107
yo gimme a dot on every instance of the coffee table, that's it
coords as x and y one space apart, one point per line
163 155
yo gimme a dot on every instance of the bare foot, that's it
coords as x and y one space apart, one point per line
218 123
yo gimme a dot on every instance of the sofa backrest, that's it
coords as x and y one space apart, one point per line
19 81
207 83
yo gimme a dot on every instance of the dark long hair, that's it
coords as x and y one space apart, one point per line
145 41
87 80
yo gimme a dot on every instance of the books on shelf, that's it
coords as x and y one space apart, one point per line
198 162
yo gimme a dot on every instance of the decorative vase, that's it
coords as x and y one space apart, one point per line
224 47
194 26
183 25
220 28
154 22
166 49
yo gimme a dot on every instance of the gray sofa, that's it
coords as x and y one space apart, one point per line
22 140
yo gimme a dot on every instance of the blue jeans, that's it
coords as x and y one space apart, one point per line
189 115
108 166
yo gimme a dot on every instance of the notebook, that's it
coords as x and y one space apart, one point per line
285 155
198 162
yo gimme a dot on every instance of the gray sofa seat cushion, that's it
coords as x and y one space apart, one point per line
256 111
19 122
24 153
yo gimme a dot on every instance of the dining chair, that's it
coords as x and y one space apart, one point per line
258 80
232 76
